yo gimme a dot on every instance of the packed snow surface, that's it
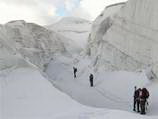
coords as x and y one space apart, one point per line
26 94
112 90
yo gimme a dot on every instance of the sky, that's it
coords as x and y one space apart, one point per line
46 12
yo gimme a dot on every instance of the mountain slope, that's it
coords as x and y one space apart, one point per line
76 29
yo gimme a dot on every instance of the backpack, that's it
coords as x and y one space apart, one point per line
147 94
91 76
75 69
144 93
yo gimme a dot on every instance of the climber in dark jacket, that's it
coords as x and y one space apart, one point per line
144 95
75 71
136 99
91 80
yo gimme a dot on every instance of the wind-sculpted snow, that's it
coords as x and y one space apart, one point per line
124 37
29 42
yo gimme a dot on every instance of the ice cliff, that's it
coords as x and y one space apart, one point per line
22 42
124 37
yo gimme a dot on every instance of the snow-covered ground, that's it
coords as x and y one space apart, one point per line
26 94
113 90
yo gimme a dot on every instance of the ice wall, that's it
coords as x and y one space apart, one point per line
127 38
28 42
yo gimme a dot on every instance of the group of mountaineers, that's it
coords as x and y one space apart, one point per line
140 102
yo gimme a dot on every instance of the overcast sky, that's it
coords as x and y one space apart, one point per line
46 11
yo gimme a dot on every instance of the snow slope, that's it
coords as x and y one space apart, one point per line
25 94
117 46
112 90
76 29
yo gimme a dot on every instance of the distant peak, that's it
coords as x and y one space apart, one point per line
17 21
73 20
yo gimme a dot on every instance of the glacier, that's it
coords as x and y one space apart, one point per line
126 39
120 50
29 43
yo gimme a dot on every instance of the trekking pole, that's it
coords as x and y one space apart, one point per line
147 104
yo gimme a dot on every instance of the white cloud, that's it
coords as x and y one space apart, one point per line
9 12
51 11
69 5
29 10
20 2
44 11
80 12
95 7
